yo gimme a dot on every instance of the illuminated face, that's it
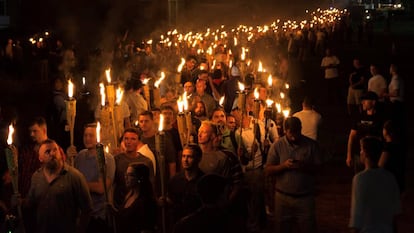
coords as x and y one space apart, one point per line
188 87
200 110
168 116
145 123
130 179
38 133
219 117
130 141
292 136
89 137
50 156
368 104
231 123
205 134
187 159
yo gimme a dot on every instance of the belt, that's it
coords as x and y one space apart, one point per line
294 195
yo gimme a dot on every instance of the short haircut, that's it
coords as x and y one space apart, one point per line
90 125
195 148
218 109
41 121
48 141
167 107
214 127
147 113
372 146
293 124
132 130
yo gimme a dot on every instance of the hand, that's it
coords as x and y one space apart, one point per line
71 151
291 164
349 161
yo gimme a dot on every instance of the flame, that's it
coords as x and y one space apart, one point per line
269 80
98 132
149 42
136 123
10 137
161 125
278 107
180 104
185 101
286 112
158 82
119 94
287 85
256 93
221 101
102 91
108 75
70 88
145 81
282 95
180 66
241 86
235 41
83 81
106 149
214 64
243 54
260 68
269 103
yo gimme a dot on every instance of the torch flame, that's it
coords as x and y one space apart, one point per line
221 101
10 137
83 81
108 75
70 88
180 66
98 132
185 101
119 94
287 85
158 82
241 86
102 91
256 93
269 103
269 80
243 54
286 112
180 104
145 81
278 107
282 95
161 125
260 68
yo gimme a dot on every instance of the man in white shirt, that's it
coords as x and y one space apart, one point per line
377 83
310 119
330 65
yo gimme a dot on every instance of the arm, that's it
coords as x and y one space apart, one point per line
356 205
383 159
352 137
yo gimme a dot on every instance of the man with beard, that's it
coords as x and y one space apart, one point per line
29 157
59 194
294 159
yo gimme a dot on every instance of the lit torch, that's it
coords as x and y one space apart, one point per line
160 150
70 115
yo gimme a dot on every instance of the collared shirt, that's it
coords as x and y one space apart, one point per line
58 203
294 182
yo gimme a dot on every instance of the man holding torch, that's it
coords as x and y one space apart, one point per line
86 162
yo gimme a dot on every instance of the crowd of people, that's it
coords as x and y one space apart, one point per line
246 156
